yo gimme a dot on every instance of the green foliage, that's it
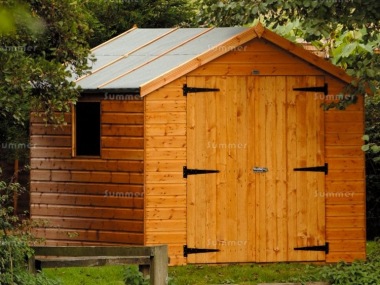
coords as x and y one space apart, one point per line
47 37
15 237
317 18
38 41
132 276
371 148
14 142
115 17
11 16
372 107
372 151
359 272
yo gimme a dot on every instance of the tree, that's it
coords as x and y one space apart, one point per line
41 41
115 17
35 58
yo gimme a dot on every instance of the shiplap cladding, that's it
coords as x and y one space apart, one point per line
87 200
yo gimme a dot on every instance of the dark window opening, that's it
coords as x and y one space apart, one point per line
88 128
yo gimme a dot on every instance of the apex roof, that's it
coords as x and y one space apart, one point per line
143 60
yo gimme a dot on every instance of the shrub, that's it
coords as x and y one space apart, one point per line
132 276
15 237
359 272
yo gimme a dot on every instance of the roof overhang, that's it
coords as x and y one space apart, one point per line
258 31
126 91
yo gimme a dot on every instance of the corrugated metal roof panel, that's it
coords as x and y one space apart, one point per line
176 57
112 71
208 41
120 46
138 57
150 53
149 72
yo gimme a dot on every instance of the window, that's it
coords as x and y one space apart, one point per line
87 129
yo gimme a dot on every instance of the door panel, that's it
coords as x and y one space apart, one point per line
220 203
306 189
289 134
255 122
270 152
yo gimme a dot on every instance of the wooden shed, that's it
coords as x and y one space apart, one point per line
210 140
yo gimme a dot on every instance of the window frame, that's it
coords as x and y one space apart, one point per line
74 129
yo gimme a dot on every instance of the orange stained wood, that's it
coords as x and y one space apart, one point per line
255 32
165 156
255 122
100 198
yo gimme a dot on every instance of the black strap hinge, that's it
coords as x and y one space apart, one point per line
188 171
188 250
187 89
324 169
324 89
324 248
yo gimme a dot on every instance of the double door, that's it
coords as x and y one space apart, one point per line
255 131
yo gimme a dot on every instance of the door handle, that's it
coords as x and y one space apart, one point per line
260 169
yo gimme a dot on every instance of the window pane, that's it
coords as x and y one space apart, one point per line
88 128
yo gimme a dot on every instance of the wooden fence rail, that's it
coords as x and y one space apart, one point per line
152 258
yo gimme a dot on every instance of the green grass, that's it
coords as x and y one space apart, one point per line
104 275
188 275
248 274
241 274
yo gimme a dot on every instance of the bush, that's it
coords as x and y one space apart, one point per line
372 150
15 237
359 272
132 276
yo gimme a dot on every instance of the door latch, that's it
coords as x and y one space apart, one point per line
260 169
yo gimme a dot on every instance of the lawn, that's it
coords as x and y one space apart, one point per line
247 274
189 275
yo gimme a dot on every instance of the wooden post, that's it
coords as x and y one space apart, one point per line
144 269
32 264
159 265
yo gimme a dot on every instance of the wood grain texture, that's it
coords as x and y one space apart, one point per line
343 131
165 156
345 187
91 195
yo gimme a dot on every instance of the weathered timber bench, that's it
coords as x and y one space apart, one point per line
152 258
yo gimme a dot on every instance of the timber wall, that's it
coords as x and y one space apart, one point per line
84 200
